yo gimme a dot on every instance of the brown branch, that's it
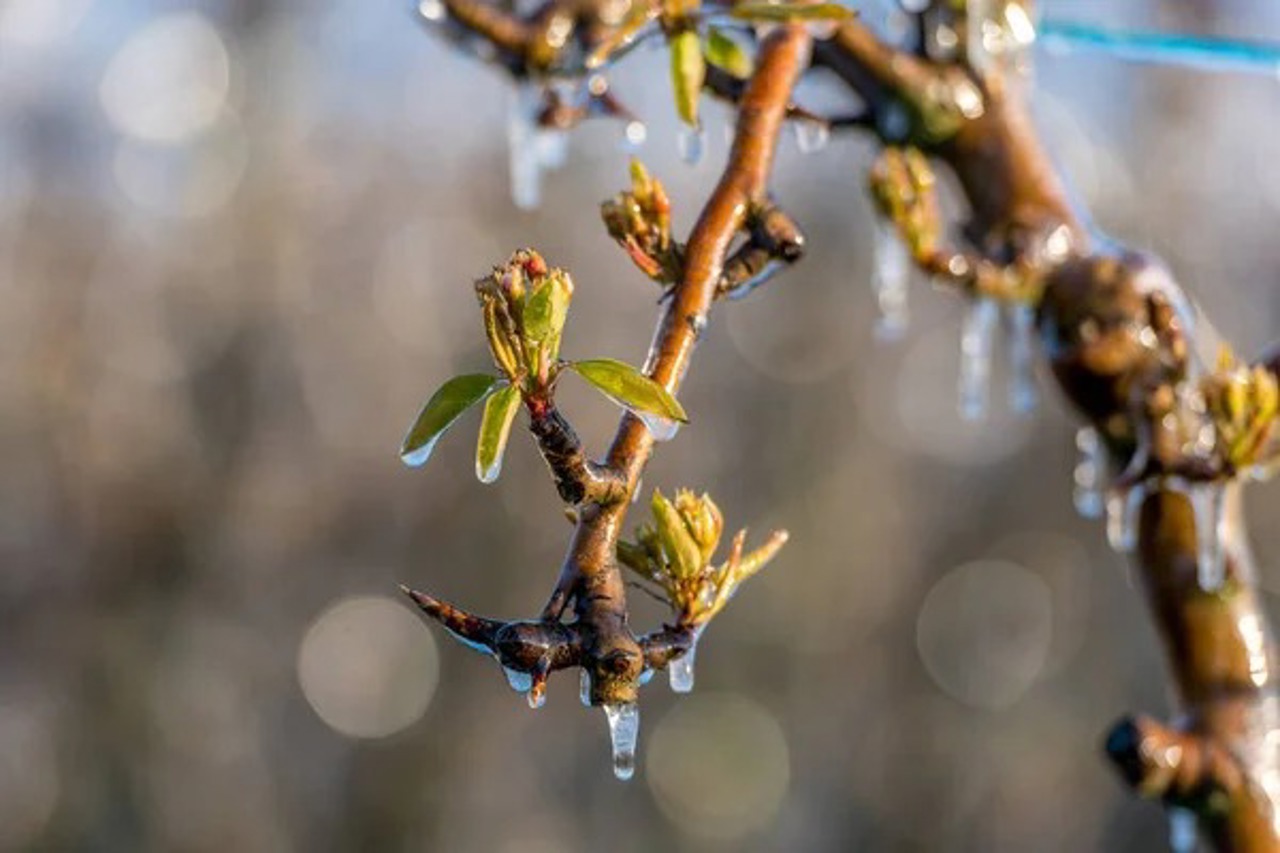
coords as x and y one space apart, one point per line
591 576
578 479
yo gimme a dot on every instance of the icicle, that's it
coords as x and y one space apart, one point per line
812 136
646 675
520 681
890 280
1023 393
662 429
692 142
1122 517
680 670
524 150
584 688
624 731
975 357
1208 501
634 133
1089 495
1182 831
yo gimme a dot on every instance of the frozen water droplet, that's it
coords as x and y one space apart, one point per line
890 281
692 142
1123 508
1208 501
584 686
662 429
1023 393
432 10
1089 494
812 136
1182 831
680 670
537 695
646 676
525 159
419 457
976 344
624 731
489 475
634 133
553 147
520 681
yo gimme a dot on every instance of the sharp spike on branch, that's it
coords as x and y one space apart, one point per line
474 631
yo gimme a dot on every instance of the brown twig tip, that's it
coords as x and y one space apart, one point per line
474 631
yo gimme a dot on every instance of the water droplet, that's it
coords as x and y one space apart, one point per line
634 134
812 136
662 429
419 457
1089 495
584 685
890 281
976 344
1208 501
1123 508
525 158
624 731
692 142
520 681
432 10
489 475
680 670
1182 831
537 695
1023 393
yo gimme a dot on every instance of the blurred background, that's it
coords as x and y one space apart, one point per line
237 241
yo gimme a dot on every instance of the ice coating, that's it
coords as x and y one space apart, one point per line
1089 494
624 731
890 281
976 344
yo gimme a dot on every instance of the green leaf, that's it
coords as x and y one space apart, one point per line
630 388
495 427
791 12
545 311
688 69
723 52
445 406
682 551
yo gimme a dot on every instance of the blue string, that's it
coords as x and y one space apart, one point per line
1198 52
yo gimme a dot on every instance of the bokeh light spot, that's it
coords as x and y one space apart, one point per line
718 766
169 82
984 631
368 667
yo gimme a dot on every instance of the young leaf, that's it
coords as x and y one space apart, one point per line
629 387
687 73
725 53
791 12
445 406
495 427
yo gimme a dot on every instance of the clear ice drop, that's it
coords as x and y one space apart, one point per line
662 429
976 345
624 731
692 142
890 280
812 136
1023 393
1089 494
680 670
1182 831
1208 501
1122 518
584 688
520 681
